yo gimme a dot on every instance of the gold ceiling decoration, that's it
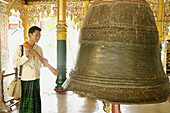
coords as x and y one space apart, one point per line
166 22
35 12
167 11
78 0
37 2
17 6
21 1
3 8
107 107
75 9
76 12
34 2
154 7
166 18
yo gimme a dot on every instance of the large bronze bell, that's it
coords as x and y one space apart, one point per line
119 56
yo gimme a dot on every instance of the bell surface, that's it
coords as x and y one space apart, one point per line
119 56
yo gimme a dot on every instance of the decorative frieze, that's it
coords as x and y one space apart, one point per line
17 6
76 12
75 9
4 42
35 12
154 4
3 8
38 2
166 18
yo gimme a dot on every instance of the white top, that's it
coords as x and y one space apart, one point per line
31 64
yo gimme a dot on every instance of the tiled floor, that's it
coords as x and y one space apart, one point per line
53 102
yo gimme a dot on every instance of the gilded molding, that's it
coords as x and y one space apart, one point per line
25 25
86 6
38 2
17 6
107 107
35 12
154 6
75 9
3 8
76 12
166 18
78 0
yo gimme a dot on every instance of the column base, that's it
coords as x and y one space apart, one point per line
61 91
116 108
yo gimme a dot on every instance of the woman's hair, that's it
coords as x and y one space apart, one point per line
33 28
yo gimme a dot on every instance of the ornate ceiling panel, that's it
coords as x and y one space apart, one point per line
3 8
76 12
31 2
17 6
154 7
166 17
166 22
35 12
75 9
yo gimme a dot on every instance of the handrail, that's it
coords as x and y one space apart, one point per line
2 102
8 74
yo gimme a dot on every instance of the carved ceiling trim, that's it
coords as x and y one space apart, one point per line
75 9
166 22
17 6
37 2
166 18
3 8
154 6
72 1
76 12
35 12
42 2
42 10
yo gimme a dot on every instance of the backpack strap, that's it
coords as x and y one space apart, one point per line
21 65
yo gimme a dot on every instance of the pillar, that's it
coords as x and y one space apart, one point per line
86 6
116 108
25 23
160 20
61 45
4 50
